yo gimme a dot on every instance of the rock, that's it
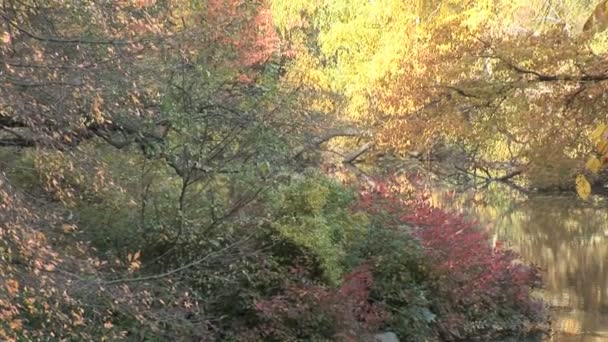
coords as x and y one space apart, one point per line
386 337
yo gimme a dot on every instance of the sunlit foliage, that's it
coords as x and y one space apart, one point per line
513 81
170 151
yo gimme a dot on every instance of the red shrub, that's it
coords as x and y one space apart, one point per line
472 281
474 274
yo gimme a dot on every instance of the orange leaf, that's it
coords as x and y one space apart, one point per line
12 286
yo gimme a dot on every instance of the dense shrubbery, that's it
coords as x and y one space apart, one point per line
312 312
310 259
483 290
417 270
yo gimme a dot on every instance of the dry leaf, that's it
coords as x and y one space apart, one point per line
583 188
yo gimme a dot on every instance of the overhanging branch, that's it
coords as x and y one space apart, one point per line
353 156
318 141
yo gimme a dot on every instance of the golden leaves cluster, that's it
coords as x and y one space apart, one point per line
596 162
598 21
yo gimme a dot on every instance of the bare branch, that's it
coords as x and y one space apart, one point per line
316 142
353 156
176 270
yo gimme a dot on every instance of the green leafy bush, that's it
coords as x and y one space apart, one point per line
313 213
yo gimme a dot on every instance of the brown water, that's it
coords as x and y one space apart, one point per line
565 236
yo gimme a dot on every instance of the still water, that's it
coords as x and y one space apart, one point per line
565 236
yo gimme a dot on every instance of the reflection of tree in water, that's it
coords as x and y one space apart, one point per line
566 237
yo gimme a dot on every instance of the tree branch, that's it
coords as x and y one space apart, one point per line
176 270
316 142
542 77
18 142
353 156
74 41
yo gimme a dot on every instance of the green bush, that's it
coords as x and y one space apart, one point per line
314 214
400 272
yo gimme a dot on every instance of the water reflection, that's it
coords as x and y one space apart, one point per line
566 237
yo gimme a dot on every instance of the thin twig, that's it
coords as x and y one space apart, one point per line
176 270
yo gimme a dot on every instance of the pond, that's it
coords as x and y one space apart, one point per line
565 236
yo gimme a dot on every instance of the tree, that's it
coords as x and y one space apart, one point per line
514 82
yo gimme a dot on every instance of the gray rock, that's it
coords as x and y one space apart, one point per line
386 337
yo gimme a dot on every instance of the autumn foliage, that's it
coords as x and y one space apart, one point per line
306 312
446 283
162 169
475 284
40 298
476 280
247 28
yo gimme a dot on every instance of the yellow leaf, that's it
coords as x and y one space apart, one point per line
583 188
594 164
598 132
602 146
5 38
68 228
134 99
598 21
134 266
96 109
77 318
